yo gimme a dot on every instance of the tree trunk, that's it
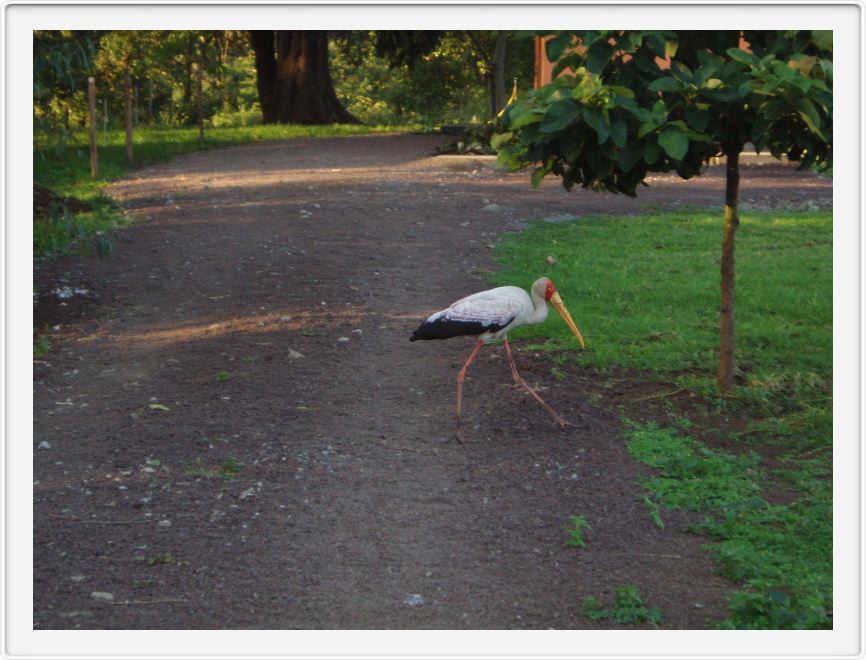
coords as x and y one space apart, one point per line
727 362
187 74
499 71
266 71
295 85
199 100
91 114
127 115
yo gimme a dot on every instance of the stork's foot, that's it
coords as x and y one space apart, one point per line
458 432
564 423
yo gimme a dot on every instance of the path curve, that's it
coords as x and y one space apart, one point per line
298 270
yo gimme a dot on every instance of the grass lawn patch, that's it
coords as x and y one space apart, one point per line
645 293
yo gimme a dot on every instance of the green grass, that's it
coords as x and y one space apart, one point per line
65 169
780 554
645 293
627 608
645 290
578 525
41 345
227 470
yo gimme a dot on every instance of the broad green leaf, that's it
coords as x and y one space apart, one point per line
498 139
619 132
619 90
598 56
628 156
656 42
561 114
510 157
598 122
803 84
567 61
557 46
675 142
696 136
538 174
660 111
823 39
741 56
645 128
529 116
697 118
651 153
682 72
570 147
671 46
803 63
810 115
666 84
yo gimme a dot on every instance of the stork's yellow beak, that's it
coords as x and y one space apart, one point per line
556 301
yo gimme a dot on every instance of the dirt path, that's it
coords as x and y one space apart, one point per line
298 271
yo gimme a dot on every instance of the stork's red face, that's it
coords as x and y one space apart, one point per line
549 290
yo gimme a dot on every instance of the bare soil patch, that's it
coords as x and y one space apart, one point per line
242 436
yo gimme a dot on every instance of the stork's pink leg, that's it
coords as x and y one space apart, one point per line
460 377
519 380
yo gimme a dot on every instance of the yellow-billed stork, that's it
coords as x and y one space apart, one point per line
489 315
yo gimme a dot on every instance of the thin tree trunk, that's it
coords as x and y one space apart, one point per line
200 102
127 83
499 71
91 112
727 361
186 104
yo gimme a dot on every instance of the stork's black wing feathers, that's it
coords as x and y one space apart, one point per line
442 327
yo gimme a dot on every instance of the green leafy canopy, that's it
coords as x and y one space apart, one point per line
626 103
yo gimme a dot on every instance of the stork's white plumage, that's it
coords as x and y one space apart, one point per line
490 315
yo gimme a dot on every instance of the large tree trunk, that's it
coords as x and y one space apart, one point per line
266 71
294 82
727 362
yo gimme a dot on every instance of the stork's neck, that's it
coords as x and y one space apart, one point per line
539 305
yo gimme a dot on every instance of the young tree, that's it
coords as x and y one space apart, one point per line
632 102
294 79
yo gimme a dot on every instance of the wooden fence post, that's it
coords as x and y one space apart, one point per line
91 107
200 105
128 90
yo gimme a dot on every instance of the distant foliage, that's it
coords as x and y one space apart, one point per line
442 84
62 60
384 77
